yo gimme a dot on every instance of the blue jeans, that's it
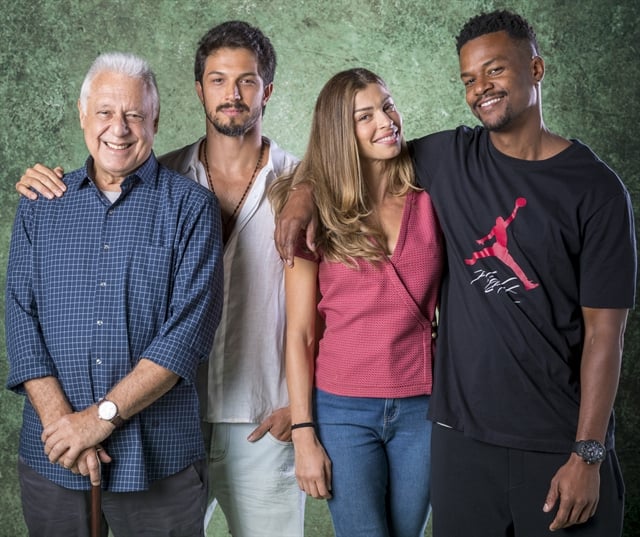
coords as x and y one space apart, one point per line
380 453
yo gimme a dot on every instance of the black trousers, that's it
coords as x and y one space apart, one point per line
482 490
174 506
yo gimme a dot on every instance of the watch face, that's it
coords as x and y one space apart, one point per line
107 410
591 451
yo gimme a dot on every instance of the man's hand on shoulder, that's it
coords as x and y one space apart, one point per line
297 214
43 180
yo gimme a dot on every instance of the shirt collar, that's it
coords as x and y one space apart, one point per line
147 173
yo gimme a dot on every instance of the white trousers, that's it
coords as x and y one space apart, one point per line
253 482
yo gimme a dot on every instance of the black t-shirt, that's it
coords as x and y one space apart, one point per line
528 243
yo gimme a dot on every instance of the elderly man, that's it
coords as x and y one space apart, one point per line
113 297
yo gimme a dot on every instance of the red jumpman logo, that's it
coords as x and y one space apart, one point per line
499 247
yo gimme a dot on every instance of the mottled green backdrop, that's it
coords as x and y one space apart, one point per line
591 92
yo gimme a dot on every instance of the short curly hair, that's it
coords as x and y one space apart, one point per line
500 20
237 34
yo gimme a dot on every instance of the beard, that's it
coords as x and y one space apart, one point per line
495 120
510 117
497 124
235 127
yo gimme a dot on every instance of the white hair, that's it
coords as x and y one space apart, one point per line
125 64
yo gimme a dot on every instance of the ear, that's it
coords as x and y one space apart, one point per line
199 92
81 114
537 68
268 90
156 122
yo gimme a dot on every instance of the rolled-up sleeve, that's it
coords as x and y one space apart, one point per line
26 350
195 305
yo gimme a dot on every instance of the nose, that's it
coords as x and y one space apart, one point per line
385 120
233 92
481 85
119 125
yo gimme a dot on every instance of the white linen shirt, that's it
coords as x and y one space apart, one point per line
245 378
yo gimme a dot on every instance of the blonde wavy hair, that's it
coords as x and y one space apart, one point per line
332 165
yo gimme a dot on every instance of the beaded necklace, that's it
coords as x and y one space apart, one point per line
232 217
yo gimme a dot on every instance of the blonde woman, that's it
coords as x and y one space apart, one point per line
360 393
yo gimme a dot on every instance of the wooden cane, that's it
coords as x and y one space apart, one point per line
96 504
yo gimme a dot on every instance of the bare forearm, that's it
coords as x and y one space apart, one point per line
48 399
301 300
575 488
68 436
600 370
141 388
300 365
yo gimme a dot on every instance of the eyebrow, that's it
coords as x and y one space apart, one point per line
487 63
385 101
224 73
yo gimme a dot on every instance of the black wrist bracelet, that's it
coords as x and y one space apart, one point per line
303 424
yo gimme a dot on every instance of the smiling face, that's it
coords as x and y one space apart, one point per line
501 77
119 126
378 124
232 92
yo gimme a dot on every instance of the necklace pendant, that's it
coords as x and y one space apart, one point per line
228 223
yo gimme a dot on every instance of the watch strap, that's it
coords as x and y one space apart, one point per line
590 451
117 420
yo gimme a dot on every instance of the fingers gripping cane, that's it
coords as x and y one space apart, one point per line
96 503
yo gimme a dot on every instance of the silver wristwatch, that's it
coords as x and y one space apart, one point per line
108 411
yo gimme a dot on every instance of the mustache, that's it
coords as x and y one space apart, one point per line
237 106
497 94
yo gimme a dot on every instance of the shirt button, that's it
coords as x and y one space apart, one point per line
99 323
110 212
98 361
103 284
105 246
434 335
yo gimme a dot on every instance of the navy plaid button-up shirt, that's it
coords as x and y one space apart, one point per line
94 286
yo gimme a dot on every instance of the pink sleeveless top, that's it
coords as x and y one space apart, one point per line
380 319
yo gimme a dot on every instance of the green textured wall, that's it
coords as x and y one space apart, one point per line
590 92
